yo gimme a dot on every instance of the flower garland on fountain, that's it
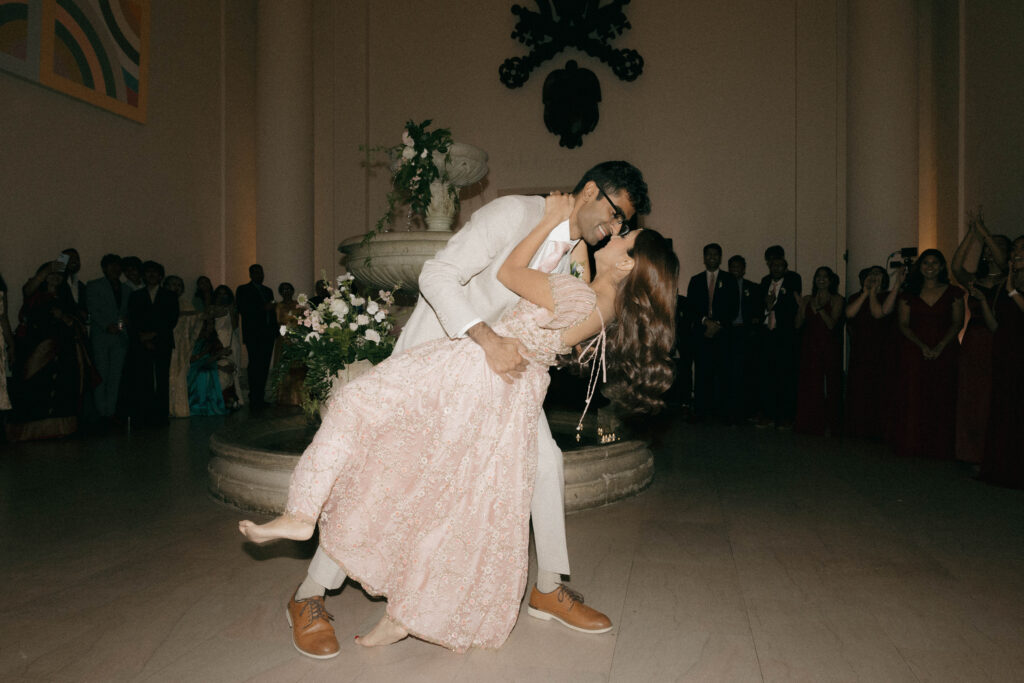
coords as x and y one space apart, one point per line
330 339
419 175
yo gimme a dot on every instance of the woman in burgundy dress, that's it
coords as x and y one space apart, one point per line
1003 461
868 376
979 264
931 313
820 389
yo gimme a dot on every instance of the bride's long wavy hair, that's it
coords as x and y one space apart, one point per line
640 343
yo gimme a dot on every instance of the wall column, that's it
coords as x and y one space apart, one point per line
284 142
882 131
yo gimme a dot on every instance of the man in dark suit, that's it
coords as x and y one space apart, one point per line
713 301
791 280
259 326
107 301
681 392
152 315
779 353
744 344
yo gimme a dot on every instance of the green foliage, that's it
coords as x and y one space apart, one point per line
413 170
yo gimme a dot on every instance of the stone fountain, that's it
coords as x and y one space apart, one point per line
253 459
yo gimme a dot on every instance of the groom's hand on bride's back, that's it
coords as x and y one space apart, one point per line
504 354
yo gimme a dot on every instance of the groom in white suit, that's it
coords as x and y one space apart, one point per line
460 296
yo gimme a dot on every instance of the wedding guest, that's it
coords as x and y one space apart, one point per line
287 390
979 265
255 304
321 293
131 267
777 374
53 369
931 313
744 344
791 280
1003 461
38 280
713 299
225 322
108 309
76 288
152 315
820 385
207 359
869 377
185 332
203 298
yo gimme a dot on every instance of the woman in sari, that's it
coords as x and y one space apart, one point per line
53 368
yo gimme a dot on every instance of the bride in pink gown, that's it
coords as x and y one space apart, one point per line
421 474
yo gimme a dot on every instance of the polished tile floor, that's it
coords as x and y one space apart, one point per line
755 555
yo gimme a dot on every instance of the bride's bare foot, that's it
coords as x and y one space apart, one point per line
281 527
384 633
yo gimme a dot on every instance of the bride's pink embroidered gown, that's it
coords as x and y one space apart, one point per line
422 472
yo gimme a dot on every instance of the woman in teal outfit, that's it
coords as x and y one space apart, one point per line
205 396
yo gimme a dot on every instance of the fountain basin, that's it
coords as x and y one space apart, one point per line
392 260
253 460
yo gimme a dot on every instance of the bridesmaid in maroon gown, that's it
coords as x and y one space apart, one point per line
1003 462
979 264
820 388
931 313
872 335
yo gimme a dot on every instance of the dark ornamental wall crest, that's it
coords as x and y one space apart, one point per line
571 95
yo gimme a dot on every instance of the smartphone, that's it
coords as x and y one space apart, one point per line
62 260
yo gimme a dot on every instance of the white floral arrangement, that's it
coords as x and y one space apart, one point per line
413 170
343 328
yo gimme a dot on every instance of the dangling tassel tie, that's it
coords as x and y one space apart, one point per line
593 353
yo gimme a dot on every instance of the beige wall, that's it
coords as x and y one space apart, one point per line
736 120
744 123
177 189
994 113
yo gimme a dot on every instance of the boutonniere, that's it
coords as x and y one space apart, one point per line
576 269
719 284
782 290
746 292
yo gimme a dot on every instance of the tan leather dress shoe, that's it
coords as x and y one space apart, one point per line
312 633
565 606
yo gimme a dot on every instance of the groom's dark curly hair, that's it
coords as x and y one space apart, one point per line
612 176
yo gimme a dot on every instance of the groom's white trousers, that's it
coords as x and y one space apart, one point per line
547 510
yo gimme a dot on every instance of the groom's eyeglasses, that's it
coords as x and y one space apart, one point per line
618 216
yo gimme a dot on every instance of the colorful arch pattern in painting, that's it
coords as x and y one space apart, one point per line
96 50
19 37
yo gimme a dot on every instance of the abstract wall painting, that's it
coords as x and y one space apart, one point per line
94 50
20 22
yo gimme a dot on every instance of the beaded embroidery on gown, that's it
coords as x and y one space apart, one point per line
422 474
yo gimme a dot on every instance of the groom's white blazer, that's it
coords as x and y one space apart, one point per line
458 288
